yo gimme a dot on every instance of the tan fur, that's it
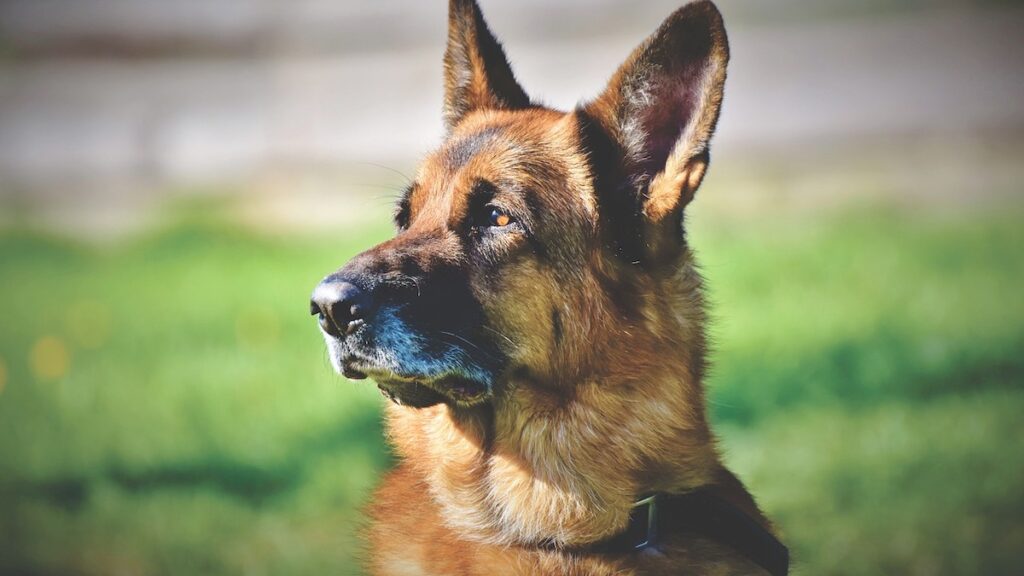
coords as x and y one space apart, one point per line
605 406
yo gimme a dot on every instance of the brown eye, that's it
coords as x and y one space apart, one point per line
499 218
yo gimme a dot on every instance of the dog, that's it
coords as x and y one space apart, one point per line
538 324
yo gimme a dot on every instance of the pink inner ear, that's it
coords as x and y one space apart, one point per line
672 103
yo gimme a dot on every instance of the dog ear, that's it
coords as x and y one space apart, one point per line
476 73
660 108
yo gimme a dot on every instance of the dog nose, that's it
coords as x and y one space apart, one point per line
341 305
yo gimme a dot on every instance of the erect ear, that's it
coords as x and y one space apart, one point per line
660 109
476 72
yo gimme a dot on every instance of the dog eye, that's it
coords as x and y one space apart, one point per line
498 217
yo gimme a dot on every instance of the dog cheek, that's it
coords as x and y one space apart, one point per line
518 306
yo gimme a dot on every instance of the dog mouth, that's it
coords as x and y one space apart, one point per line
417 390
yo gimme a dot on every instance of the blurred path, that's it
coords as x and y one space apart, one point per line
241 96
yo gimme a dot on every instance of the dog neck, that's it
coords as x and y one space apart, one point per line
568 475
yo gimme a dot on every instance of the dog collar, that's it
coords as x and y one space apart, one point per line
705 514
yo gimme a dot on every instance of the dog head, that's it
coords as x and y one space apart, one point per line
537 245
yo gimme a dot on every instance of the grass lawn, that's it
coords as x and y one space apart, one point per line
166 405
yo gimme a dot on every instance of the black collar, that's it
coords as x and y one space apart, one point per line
704 514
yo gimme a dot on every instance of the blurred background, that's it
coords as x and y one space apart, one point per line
176 176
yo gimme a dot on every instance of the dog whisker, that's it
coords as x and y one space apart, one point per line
470 344
389 169
507 339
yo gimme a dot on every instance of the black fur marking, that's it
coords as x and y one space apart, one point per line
534 206
411 269
403 208
556 326
460 152
622 295
618 196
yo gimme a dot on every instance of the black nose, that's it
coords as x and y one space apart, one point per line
341 305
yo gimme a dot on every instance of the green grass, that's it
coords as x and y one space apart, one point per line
166 406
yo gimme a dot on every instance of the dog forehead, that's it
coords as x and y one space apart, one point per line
535 149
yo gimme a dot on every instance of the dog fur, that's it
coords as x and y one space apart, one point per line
547 371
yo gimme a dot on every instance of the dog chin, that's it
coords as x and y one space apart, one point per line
411 394
421 393
419 390
410 382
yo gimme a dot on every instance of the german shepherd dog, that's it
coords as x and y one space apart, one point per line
538 324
